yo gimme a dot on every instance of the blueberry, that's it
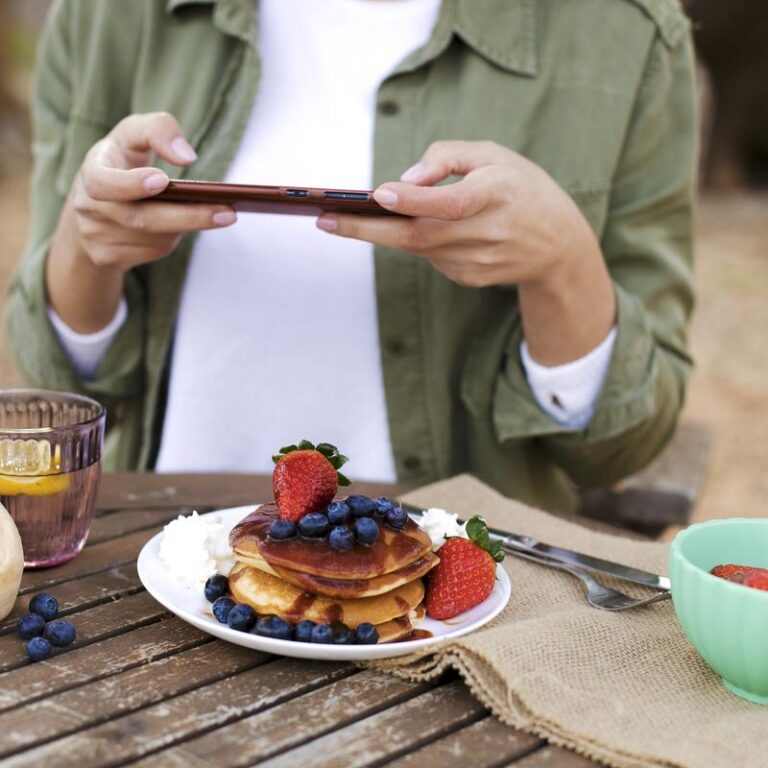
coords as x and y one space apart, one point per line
315 525
338 512
38 648
361 506
44 605
241 617
222 607
322 633
217 586
274 627
282 529
303 631
342 634
381 506
60 633
30 625
342 538
366 530
396 518
366 634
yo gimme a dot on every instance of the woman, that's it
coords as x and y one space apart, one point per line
525 323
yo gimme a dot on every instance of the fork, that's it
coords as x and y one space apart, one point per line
598 594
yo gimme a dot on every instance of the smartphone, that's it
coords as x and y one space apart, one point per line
251 198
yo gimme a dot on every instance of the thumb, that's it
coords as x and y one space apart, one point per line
455 158
159 133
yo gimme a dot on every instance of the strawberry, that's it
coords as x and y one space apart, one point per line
305 478
466 573
757 578
729 571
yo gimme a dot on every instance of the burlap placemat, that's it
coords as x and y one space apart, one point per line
623 688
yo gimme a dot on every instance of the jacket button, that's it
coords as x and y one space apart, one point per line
395 347
412 463
389 107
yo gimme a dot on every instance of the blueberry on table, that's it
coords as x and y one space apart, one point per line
315 525
44 605
397 518
361 506
274 627
217 586
366 530
342 538
342 634
303 631
242 618
60 633
366 634
38 649
282 529
338 512
222 607
322 633
381 506
30 625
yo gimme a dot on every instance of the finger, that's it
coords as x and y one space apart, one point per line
451 202
160 218
156 132
404 234
455 158
103 183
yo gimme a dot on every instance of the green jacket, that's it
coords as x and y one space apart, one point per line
597 92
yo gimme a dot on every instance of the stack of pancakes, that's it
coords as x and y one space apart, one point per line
301 578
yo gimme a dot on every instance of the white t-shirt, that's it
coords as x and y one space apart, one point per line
277 335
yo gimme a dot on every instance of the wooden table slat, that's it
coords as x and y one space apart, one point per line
79 594
108 657
118 523
290 724
93 624
553 757
93 559
62 713
483 744
129 737
394 731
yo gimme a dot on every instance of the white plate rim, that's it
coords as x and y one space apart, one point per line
148 564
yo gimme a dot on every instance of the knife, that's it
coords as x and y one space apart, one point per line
518 543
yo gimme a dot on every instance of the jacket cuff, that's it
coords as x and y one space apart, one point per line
627 397
40 354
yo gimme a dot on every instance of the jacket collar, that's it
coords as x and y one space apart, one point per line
503 31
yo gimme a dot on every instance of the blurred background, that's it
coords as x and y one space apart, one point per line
729 390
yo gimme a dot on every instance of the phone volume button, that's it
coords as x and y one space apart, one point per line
347 196
296 193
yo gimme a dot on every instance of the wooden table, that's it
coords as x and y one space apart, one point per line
141 687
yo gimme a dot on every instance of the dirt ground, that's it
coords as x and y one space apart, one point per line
729 391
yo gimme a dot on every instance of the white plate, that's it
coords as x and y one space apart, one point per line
191 606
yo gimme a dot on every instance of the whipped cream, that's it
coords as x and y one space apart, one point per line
194 548
439 525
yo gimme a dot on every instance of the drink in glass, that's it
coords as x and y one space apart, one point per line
50 464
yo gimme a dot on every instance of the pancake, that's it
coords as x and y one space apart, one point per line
347 588
393 550
397 629
268 594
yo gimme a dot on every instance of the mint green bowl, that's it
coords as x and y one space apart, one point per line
725 622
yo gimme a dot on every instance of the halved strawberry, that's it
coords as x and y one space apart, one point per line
305 478
466 573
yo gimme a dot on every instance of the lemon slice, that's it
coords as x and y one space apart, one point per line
43 485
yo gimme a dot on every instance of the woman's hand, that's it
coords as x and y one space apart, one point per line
110 224
506 222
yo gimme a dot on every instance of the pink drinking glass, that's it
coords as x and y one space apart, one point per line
50 465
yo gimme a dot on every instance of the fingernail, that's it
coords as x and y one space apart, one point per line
385 196
224 218
327 222
155 182
182 149
414 172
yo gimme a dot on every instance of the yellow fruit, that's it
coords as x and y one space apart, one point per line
39 485
11 562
